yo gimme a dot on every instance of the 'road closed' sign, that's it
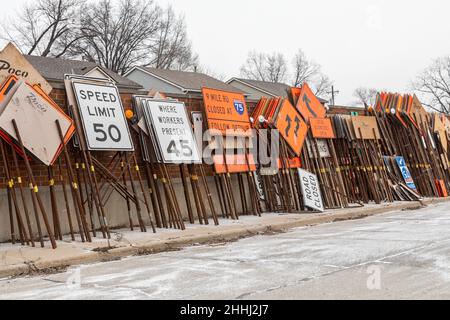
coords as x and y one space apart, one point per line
103 118
311 190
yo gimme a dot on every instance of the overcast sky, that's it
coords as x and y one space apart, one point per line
377 43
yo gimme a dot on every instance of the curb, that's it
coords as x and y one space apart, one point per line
158 246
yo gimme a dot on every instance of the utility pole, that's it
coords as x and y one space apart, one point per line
333 95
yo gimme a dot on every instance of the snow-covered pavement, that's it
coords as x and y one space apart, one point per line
397 255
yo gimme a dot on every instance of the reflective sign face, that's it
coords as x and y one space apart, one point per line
173 131
405 173
321 128
312 196
103 117
291 127
309 106
226 110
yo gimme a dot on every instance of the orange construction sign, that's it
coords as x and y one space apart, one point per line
296 92
291 126
234 163
309 106
322 128
226 111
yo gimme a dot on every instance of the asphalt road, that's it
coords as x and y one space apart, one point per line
403 255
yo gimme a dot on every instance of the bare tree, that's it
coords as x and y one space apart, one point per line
433 85
304 69
308 71
273 68
265 67
172 48
322 86
210 72
45 27
118 37
365 96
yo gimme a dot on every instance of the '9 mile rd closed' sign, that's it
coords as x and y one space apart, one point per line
226 111
103 118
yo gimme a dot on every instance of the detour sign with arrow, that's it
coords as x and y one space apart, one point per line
308 104
291 126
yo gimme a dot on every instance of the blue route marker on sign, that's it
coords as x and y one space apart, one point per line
405 173
239 106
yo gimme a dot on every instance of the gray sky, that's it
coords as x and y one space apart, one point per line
373 43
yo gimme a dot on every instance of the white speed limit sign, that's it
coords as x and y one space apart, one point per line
103 117
173 131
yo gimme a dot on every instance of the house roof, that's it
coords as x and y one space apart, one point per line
189 81
275 89
346 110
272 88
54 69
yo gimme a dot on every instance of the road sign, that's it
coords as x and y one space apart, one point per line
35 114
322 128
322 145
173 131
198 124
13 63
309 105
366 128
103 117
312 196
405 172
291 126
226 111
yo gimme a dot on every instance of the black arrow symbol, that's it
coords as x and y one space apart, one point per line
307 101
288 128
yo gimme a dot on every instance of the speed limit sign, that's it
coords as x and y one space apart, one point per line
103 117
173 131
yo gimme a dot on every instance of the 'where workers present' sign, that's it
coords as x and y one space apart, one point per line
103 117
312 196
173 131
226 111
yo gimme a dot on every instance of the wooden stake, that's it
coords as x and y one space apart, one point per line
22 195
34 191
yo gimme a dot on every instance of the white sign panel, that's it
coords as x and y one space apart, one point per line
173 131
322 145
103 117
311 190
35 117
259 186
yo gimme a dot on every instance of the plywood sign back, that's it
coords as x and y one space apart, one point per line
13 63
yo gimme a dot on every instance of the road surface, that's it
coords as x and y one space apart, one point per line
403 255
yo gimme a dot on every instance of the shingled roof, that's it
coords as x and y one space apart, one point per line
54 69
272 88
190 81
